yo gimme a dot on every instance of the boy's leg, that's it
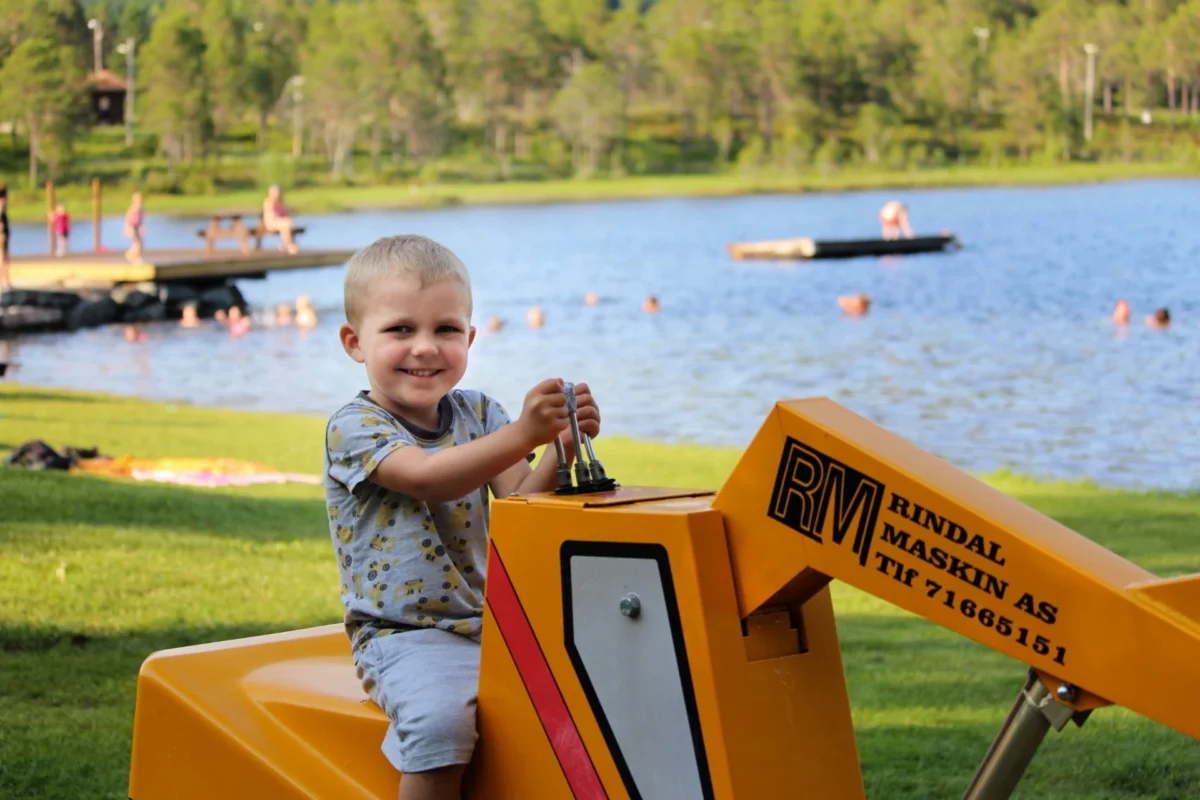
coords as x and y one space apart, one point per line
427 682
437 784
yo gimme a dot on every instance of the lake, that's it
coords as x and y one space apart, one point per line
1001 355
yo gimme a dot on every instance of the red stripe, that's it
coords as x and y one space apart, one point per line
539 682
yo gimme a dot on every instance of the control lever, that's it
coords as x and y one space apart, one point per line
583 475
564 471
589 474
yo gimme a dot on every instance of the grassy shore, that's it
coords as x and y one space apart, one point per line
324 199
95 574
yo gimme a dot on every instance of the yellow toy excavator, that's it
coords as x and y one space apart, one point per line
664 644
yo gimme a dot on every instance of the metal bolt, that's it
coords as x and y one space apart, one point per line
631 606
1066 692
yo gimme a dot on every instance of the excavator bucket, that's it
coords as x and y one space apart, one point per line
657 644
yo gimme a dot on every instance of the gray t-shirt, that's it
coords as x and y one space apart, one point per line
404 563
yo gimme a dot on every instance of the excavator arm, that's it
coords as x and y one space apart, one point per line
667 644
822 493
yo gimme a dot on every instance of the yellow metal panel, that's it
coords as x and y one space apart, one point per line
280 716
821 487
781 722
513 750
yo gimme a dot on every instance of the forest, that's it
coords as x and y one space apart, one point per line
237 92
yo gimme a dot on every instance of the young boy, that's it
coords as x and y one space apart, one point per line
408 468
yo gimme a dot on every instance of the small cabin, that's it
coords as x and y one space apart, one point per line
107 93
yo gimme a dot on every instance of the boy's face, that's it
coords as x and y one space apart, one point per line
414 342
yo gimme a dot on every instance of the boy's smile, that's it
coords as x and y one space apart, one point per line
414 342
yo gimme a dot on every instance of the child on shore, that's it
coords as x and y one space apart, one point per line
135 229
409 466
60 220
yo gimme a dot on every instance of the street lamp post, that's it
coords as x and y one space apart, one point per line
1090 49
297 82
982 34
97 29
127 49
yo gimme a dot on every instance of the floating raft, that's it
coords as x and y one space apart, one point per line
108 269
782 249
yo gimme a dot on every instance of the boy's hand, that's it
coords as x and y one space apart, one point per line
586 411
544 414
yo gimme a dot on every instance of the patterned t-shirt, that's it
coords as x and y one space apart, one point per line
405 563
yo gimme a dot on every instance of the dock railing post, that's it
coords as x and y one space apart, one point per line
96 214
50 214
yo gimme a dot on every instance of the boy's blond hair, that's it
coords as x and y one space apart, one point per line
391 256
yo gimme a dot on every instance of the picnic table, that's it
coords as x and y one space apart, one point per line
231 225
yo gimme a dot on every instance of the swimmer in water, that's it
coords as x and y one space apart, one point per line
893 218
855 305
239 323
306 317
1120 313
190 318
1161 318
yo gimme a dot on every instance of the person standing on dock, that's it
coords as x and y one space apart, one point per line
5 284
277 219
61 222
135 228
893 217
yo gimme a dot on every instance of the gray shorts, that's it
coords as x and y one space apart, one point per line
427 682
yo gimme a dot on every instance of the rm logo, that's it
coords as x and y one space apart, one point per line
816 495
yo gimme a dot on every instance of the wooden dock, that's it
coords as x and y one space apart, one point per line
108 269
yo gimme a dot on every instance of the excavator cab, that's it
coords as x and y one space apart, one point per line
660 644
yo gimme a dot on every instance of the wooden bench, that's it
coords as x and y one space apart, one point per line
231 226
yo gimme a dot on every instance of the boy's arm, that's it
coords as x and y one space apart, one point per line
525 479
458 471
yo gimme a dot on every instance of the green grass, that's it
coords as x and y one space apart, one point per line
95 574
324 199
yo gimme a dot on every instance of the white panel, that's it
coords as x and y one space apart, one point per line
632 666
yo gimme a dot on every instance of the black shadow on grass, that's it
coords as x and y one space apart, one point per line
62 499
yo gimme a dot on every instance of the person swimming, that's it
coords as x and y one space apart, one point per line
854 305
306 316
1161 318
1120 312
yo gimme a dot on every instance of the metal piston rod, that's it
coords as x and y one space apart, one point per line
1035 711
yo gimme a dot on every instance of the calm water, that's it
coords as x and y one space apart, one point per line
1000 355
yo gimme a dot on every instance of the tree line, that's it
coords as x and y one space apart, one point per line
770 82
